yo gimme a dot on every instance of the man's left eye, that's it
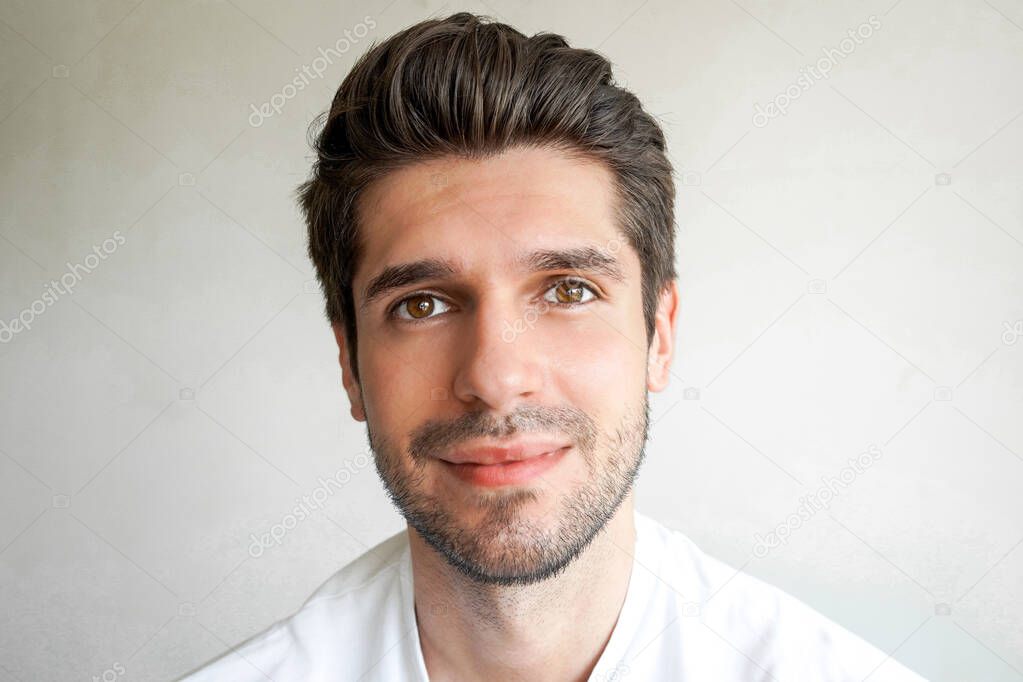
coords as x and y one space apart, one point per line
570 292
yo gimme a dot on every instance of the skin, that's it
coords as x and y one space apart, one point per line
592 357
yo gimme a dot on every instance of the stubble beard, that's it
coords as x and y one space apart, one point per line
504 546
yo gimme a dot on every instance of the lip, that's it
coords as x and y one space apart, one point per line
503 466
504 453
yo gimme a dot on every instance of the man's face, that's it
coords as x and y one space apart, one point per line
499 316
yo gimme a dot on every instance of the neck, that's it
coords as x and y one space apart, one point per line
469 630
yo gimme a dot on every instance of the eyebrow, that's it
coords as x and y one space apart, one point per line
582 259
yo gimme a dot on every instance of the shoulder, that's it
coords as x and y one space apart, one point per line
380 563
365 592
777 632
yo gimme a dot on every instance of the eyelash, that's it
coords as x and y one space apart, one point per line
392 313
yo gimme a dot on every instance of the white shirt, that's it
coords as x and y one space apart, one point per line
686 617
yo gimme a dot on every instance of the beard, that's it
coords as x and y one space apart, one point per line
491 540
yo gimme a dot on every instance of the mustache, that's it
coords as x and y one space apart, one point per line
436 436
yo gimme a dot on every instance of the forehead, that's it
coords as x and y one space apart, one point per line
484 212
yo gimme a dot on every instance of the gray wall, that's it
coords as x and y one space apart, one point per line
851 276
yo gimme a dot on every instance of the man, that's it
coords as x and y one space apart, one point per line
491 219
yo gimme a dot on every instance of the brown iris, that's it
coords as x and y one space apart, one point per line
419 306
568 291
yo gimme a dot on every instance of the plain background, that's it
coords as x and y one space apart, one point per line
851 276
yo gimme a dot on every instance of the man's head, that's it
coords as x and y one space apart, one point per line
491 220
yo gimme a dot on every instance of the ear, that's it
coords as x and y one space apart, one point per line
662 343
352 387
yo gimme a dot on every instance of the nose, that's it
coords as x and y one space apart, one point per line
499 363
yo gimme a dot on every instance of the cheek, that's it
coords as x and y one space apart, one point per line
601 363
395 389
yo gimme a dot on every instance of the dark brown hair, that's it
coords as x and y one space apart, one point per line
471 87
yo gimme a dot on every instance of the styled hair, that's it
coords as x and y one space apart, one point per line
470 87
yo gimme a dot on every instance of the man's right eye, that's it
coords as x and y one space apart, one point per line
418 307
